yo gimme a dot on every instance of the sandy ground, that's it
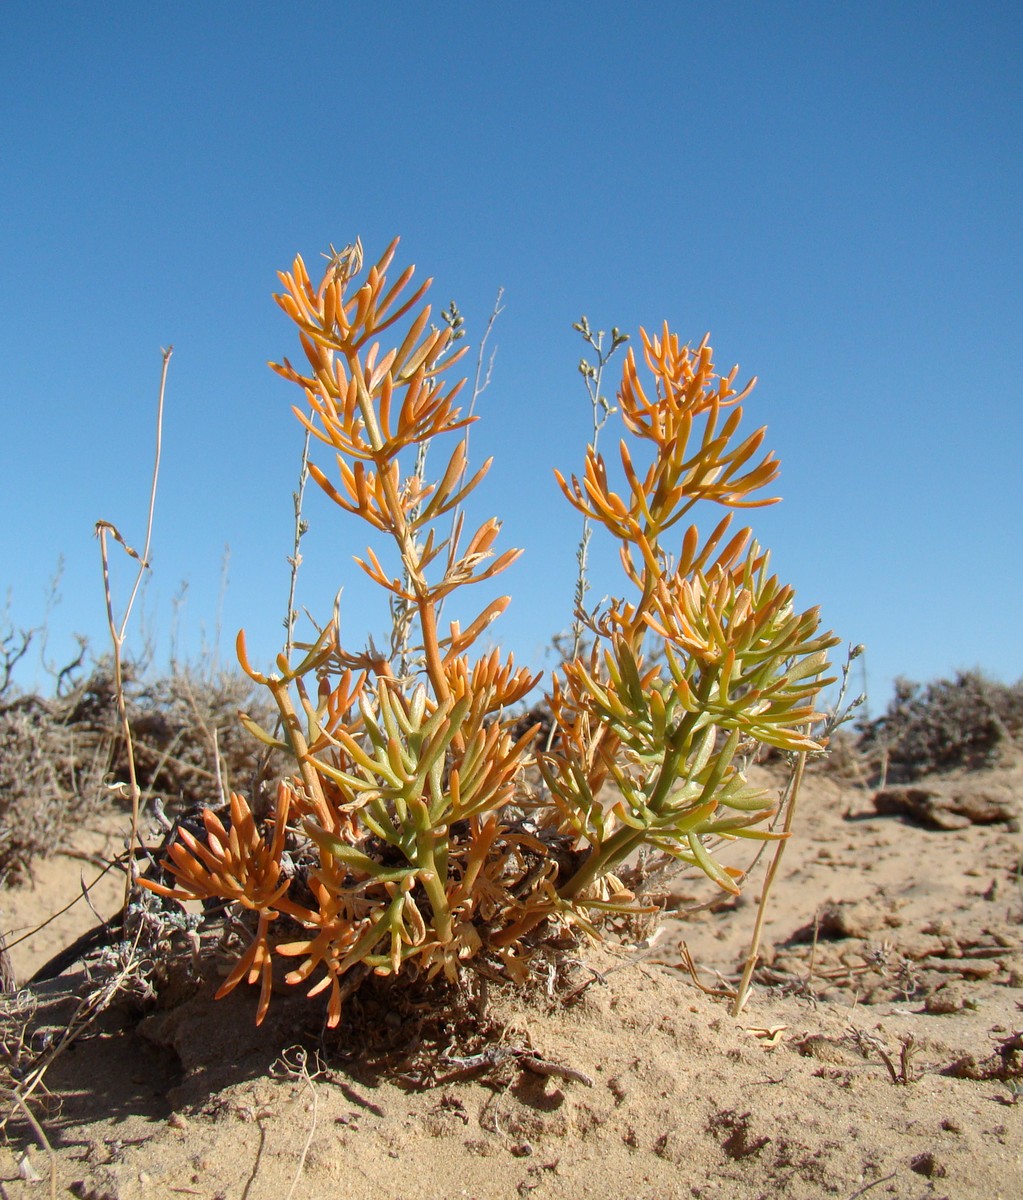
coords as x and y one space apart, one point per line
884 940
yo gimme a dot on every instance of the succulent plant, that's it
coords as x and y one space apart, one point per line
428 831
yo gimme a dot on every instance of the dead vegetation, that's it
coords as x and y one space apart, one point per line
60 753
969 721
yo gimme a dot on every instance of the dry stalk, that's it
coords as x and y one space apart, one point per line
687 964
257 1165
300 1070
40 1134
901 1074
89 1009
83 894
118 632
601 410
742 992
295 558
840 714
210 733
876 1183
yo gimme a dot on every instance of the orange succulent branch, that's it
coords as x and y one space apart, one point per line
278 688
686 388
352 394
403 536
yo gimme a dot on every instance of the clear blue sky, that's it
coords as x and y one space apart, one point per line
834 191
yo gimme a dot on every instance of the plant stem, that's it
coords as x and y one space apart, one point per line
300 750
430 874
403 536
480 384
295 560
743 991
621 844
592 378
118 633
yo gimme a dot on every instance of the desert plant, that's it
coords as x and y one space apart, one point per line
49 774
962 722
14 645
411 839
119 627
59 752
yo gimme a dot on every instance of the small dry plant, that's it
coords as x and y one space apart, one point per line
422 834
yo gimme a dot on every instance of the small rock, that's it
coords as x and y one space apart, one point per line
847 919
825 1049
947 999
946 806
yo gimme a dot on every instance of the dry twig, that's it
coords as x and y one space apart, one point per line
118 631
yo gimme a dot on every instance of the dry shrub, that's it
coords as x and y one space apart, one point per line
51 771
967 722
189 746
58 753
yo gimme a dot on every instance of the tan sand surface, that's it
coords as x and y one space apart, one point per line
884 939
